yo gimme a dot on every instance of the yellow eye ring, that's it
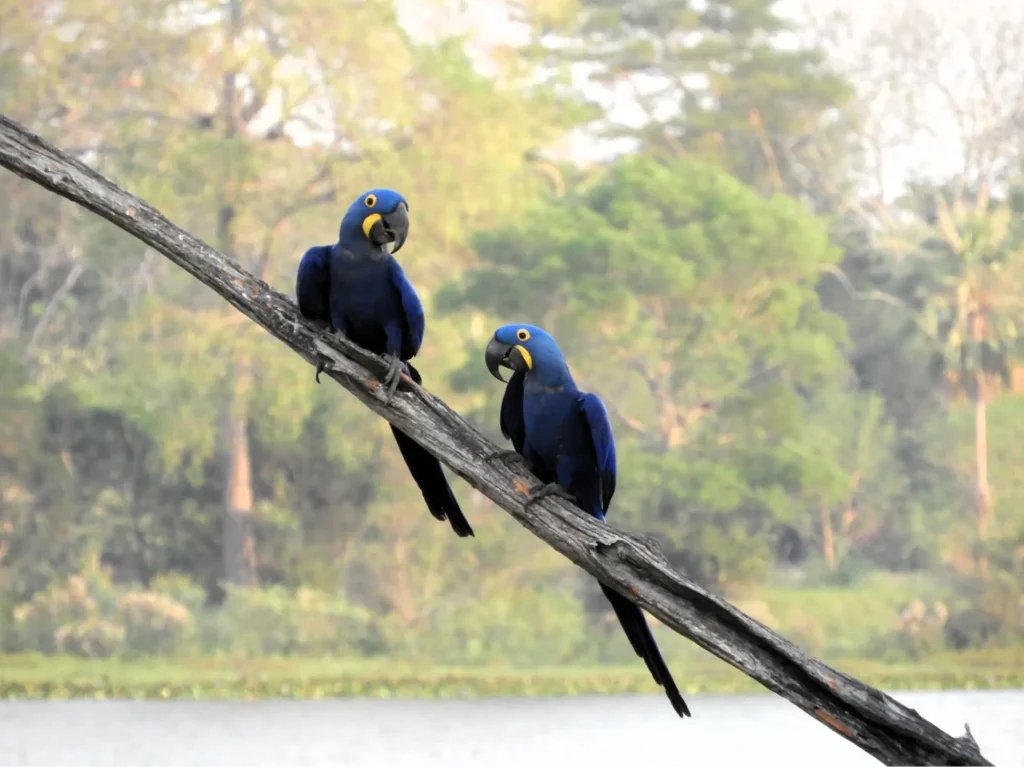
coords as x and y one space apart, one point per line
523 334
370 200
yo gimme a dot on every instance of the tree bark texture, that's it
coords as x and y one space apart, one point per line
874 721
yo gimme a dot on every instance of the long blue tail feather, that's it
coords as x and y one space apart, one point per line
428 474
633 622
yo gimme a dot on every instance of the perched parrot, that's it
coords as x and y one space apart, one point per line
566 439
359 290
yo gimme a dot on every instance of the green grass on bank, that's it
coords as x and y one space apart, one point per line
34 676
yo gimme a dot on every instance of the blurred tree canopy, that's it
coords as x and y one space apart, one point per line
803 378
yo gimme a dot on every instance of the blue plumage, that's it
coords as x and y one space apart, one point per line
566 437
357 288
313 283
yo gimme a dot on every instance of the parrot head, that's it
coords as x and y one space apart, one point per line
380 215
521 348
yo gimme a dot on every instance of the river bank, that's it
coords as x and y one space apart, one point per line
204 678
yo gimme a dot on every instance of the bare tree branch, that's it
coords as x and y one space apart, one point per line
304 201
878 724
62 292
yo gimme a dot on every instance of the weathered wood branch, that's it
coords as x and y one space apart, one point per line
883 727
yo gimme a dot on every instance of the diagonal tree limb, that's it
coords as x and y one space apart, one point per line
872 720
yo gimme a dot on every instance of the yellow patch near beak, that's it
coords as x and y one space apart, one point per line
525 355
369 221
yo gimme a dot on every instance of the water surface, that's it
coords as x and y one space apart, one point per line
628 731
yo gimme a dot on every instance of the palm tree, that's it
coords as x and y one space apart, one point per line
966 275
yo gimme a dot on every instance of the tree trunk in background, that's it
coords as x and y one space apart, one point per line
983 492
238 541
828 539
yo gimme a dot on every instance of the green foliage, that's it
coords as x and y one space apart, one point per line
154 623
529 627
965 273
273 621
76 617
88 615
988 610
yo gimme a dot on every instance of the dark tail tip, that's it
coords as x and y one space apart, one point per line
633 622
664 678
429 476
678 703
459 523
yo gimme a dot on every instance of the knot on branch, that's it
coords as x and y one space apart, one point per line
649 541
612 549
632 548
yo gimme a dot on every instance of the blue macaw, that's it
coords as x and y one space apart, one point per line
566 439
358 289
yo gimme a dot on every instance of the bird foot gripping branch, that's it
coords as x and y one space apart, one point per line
321 366
507 457
322 361
546 490
393 377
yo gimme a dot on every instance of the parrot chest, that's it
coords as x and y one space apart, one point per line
548 415
363 302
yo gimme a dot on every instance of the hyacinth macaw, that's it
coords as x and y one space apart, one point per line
566 439
358 289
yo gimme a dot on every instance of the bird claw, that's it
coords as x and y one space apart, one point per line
321 364
321 360
506 456
538 492
393 376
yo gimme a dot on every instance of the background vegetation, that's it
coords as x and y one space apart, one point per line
813 369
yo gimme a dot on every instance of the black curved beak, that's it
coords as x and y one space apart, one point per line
498 355
393 227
